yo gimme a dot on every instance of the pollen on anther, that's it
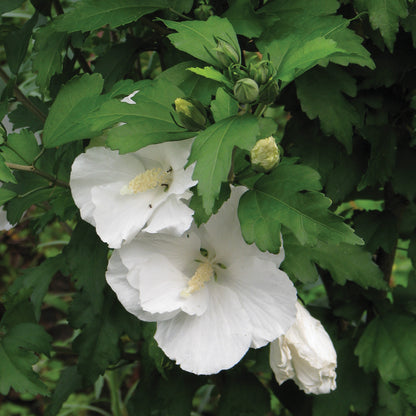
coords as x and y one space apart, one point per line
149 179
203 274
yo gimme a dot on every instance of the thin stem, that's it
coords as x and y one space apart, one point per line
22 98
38 172
260 110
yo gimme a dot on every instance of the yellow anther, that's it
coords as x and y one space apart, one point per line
149 179
196 282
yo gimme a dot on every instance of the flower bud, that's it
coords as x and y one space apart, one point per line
269 92
305 354
226 54
246 90
204 11
191 113
265 154
260 71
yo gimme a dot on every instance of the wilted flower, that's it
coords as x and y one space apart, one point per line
123 194
265 154
212 295
306 355
246 91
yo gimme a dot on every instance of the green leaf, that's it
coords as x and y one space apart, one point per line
17 358
303 38
212 150
87 258
223 106
22 148
404 178
288 196
243 394
321 86
348 392
199 38
171 396
211 73
69 382
343 261
47 60
38 278
98 343
8 5
22 117
75 101
384 15
6 195
6 174
191 84
387 345
378 229
383 154
16 44
93 14
116 62
245 20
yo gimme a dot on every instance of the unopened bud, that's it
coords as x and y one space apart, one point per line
226 54
246 90
265 154
269 92
260 71
191 113
204 11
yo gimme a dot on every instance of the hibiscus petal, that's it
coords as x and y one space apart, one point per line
128 296
99 166
4 224
267 294
207 344
173 217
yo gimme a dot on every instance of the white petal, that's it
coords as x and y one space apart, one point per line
267 294
160 286
281 360
129 98
180 251
207 344
99 166
119 218
172 217
128 296
4 224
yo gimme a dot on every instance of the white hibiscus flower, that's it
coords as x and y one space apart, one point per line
306 355
212 295
123 194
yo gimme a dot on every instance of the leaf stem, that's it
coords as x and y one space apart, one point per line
22 98
179 14
38 172
260 110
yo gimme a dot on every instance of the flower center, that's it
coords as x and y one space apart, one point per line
196 282
149 179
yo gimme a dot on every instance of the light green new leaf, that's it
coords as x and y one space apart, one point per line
211 73
343 261
321 94
17 358
212 150
75 101
385 15
47 60
388 345
190 83
199 38
223 106
93 14
280 198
